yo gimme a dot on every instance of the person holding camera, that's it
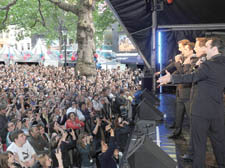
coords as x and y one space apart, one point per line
74 122
98 134
64 144
122 130
106 157
84 146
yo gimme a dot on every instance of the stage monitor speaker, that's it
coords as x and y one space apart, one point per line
147 83
145 127
146 111
146 154
150 97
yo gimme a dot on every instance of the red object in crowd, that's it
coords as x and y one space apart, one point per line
25 57
96 55
4 147
49 52
169 1
73 58
77 124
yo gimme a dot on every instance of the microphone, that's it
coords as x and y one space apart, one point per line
203 59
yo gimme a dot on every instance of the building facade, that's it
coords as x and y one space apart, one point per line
11 37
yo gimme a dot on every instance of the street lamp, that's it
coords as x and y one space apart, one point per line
64 33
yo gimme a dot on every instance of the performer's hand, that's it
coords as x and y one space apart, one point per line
198 62
164 79
157 73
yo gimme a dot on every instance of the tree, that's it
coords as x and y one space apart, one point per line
40 17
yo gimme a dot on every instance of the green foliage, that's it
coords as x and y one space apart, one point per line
102 21
25 14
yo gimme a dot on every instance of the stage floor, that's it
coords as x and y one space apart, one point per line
176 148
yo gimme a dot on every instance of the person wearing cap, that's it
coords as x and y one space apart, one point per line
74 109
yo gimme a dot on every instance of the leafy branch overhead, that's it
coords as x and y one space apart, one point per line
7 8
45 17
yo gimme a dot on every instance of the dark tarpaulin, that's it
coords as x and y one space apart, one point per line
193 12
137 20
133 15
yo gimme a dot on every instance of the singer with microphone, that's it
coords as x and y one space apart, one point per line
207 108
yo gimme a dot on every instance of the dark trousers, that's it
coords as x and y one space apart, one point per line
214 128
182 107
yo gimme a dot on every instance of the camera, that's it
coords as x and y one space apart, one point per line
68 130
113 125
100 116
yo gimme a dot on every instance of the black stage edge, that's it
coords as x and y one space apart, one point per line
141 151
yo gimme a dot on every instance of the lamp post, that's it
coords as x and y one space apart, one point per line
64 33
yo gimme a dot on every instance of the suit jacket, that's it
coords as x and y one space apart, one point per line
208 98
183 90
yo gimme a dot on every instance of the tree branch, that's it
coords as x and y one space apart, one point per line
9 5
65 6
7 8
42 17
33 25
6 17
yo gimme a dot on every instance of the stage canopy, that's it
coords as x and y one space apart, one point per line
180 18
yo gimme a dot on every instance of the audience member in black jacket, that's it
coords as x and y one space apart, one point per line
122 132
64 145
106 157
3 121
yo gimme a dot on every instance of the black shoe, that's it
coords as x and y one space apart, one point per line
172 126
174 136
187 157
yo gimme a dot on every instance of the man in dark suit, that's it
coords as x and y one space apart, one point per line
176 67
207 106
200 50
183 92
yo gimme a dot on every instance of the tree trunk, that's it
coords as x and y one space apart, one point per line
85 39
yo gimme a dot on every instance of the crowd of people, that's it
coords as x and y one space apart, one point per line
199 72
50 117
